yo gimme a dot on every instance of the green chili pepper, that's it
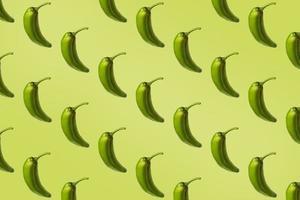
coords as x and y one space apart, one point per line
181 191
110 9
4 16
257 178
219 151
4 166
31 176
32 27
69 190
219 76
107 78
293 123
182 52
144 101
69 51
144 177
257 27
69 126
4 91
182 128
144 26
106 151
224 11
32 102
293 191
257 103
292 45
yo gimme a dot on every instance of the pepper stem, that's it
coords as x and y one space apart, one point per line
234 53
44 79
83 179
270 154
45 4
119 54
270 4
194 104
195 29
235 128
82 29
157 154
157 4
269 79
195 179
82 104
160 78
7 54
7 129
44 154
119 129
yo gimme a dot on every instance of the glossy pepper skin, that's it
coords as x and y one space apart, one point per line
69 51
257 178
293 191
106 151
257 103
144 26
257 27
182 51
181 191
4 91
110 9
32 102
4 166
32 27
69 126
219 151
219 76
182 128
292 46
107 77
31 176
144 176
144 101
4 16
68 192
223 10
293 123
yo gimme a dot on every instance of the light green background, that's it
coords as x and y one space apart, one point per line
180 88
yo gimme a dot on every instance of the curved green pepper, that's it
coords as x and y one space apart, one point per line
110 9
219 151
4 16
31 176
3 164
69 126
257 103
144 177
257 27
144 26
32 102
257 178
293 123
181 125
144 101
106 151
69 190
293 191
32 27
219 76
4 91
292 46
69 51
181 191
224 11
182 52
107 78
